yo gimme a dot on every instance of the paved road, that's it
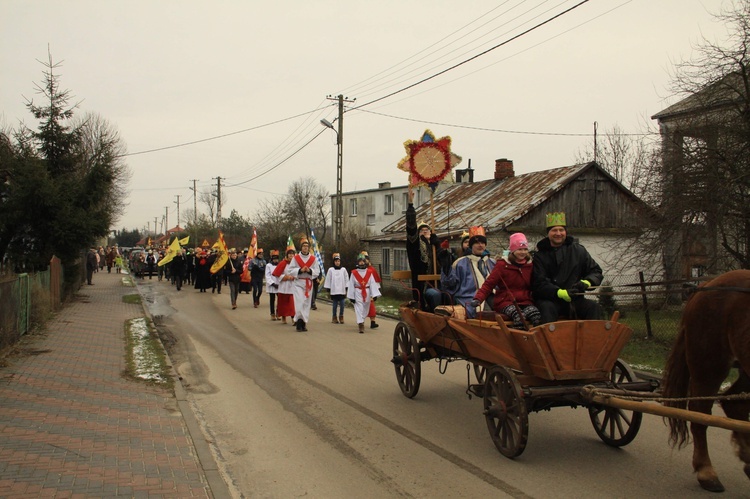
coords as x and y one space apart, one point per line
319 414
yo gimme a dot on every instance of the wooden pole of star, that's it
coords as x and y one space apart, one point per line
432 225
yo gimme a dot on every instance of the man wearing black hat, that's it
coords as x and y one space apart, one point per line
420 242
466 275
563 270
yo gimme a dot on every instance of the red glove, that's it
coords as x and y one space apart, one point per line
445 244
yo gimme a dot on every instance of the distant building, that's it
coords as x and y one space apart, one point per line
604 215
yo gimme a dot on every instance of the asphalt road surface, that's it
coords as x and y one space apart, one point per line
320 414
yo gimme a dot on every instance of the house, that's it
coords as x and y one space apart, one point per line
601 213
704 143
368 211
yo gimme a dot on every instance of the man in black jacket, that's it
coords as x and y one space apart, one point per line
563 270
420 242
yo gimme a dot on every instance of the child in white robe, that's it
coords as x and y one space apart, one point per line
362 289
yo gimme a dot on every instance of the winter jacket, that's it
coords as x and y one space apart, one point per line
509 280
561 268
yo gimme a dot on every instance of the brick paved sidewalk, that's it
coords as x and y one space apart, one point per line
72 426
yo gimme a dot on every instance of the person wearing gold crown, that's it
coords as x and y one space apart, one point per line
563 270
362 290
467 274
420 242
304 268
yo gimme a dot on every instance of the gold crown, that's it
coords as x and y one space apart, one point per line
477 230
274 253
422 224
465 235
337 255
303 241
555 219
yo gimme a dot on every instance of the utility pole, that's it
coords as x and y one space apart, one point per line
166 219
339 214
195 214
178 209
218 200
155 224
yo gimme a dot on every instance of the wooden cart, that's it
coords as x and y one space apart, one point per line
520 371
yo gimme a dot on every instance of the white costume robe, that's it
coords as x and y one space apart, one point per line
303 283
362 289
337 279
272 283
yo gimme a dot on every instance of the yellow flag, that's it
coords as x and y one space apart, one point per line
172 251
222 254
184 241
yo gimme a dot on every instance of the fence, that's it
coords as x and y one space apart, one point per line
27 299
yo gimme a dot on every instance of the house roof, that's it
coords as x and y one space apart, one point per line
493 203
723 93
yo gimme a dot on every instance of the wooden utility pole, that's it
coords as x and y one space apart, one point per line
178 209
218 200
338 216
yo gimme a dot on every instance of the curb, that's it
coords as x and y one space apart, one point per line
217 485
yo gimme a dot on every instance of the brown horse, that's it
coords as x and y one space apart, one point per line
714 334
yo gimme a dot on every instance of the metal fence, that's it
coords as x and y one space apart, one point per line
27 300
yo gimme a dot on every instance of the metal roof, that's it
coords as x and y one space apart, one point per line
490 203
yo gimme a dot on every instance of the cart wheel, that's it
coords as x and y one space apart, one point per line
480 372
407 360
505 411
616 427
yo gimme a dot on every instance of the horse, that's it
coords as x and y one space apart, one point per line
714 335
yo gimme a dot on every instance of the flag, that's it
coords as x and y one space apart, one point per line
290 244
172 251
184 241
148 242
253 249
221 256
316 252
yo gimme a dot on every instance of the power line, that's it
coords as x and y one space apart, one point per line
474 56
499 130
216 136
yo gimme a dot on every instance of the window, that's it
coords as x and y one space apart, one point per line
352 207
388 204
386 265
370 219
400 261
404 201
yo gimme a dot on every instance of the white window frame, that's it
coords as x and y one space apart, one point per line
371 219
386 259
400 259
353 207
389 204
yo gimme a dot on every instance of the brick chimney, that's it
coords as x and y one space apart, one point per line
504 169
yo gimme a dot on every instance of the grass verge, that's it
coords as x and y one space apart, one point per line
133 299
146 360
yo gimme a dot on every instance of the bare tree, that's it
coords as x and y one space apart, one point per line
705 188
207 197
307 206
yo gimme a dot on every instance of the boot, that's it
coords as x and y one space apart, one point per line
299 324
341 319
304 325
373 325
334 320
273 317
361 326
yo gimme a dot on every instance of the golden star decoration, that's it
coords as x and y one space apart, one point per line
428 160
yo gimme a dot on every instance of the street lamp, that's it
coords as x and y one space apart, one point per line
338 216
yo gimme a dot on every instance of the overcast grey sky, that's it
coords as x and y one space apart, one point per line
166 73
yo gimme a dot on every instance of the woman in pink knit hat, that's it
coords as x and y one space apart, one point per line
511 282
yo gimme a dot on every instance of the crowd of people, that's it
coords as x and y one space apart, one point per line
291 283
524 290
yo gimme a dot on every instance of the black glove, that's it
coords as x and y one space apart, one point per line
578 287
444 258
352 300
375 298
474 303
